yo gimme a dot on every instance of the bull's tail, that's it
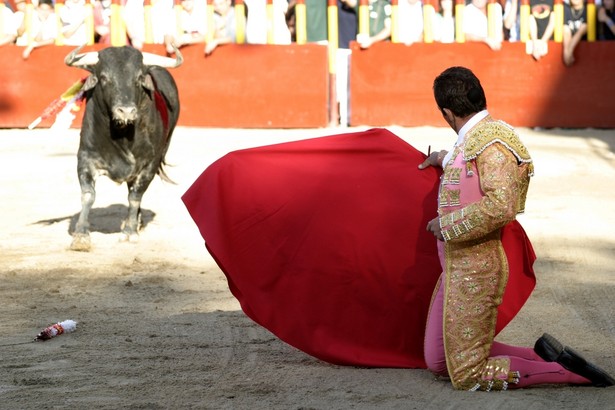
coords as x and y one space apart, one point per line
162 173
163 110
167 114
163 162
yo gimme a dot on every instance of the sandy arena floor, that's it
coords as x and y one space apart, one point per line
158 328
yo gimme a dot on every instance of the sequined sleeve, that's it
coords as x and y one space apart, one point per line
498 171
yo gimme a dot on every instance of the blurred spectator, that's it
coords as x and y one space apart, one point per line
162 21
542 25
102 21
317 21
132 15
192 26
43 28
9 26
291 20
379 23
606 19
257 23
224 18
316 16
19 17
347 21
410 19
512 19
444 24
475 25
281 32
348 26
73 17
575 28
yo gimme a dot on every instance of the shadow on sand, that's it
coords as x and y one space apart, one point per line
105 220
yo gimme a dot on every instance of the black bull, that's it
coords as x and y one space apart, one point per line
131 110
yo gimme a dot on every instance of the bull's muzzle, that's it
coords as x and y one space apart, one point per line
124 115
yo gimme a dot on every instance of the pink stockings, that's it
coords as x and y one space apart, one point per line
531 367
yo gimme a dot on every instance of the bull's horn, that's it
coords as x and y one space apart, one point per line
81 60
155 59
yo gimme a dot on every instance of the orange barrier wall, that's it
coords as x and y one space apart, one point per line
259 86
244 86
392 84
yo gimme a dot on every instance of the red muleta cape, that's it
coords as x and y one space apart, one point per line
324 243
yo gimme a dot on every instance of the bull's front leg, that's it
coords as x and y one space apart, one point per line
136 189
130 227
81 235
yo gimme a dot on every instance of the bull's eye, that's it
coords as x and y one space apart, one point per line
103 78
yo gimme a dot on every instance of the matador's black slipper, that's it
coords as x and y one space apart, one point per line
551 350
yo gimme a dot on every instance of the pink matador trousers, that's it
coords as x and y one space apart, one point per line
532 369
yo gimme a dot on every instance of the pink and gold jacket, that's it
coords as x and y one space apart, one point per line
483 187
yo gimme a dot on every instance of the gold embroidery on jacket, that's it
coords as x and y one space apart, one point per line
476 269
449 197
489 132
453 197
476 277
502 187
443 197
451 176
469 169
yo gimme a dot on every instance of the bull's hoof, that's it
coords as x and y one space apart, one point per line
81 243
129 237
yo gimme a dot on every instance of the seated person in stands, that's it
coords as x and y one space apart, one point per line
575 28
43 28
73 17
258 24
512 21
542 25
606 20
102 21
379 23
444 23
475 25
192 26
409 21
8 34
225 25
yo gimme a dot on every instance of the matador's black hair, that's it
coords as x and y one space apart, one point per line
459 90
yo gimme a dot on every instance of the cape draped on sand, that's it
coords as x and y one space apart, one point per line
324 243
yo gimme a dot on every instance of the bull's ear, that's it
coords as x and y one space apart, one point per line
148 83
90 82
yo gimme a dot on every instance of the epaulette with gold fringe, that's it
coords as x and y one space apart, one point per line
490 132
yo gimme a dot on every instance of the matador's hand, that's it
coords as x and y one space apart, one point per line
434 227
433 160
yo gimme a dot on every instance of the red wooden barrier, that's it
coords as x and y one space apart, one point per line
244 86
261 86
392 84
